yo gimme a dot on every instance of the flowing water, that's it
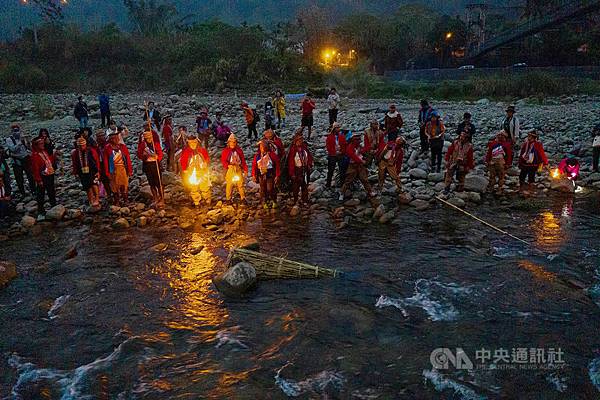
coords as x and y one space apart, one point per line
120 321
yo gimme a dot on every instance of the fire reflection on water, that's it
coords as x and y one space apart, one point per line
548 232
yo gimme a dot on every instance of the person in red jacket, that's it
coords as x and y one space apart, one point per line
150 153
42 169
300 164
117 166
235 167
497 158
374 139
356 168
266 171
390 156
531 157
195 170
86 165
275 142
307 107
335 142
459 161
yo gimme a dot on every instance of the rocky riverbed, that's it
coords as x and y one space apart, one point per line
566 124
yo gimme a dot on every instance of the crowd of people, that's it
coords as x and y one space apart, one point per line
103 164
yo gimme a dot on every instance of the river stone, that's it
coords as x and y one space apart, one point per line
435 177
417 173
27 221
294 211
483 102
352 203
56 213
405 198
141 221
387 217
594 177
420 205
8 272
160 247
146 192
476 183
169 178
457 201
237 280
379 211
562 185
120 223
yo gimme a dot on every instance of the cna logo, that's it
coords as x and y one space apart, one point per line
444 358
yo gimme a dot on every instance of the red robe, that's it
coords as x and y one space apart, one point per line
507 151
188 153
108 157
539 149
274 159
227 153
397 155
355 151
469 164
77 165
38 165
291 162
330 144
142 144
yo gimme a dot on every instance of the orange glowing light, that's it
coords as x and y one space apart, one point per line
449 35
193 179
556 173
236 178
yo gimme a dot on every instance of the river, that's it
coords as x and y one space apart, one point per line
121 321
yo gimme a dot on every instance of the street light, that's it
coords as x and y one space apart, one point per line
449 35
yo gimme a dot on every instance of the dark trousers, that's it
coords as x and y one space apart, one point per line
424 140
267 186
332 161
105 116
437 148
393 135
23 169
333 116
4 206
46 188
252 130
595 157
529 173
300 182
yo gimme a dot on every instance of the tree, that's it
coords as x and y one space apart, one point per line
50 10
151 17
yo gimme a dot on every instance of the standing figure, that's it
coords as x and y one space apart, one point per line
279 104
269 115
150 153
435 130
195 170
335 143
104 102
168 141
466 126
101 143
235 168
48 143
374 139
595 147
86 165
510 124
424 117
203 127
307 107
459 161
5 195
221 130
333 102
390 157
117 166
266 172
300 164
356 168
497 159
19 149
393 123
251 119
81 112
153 115
531 158
43 166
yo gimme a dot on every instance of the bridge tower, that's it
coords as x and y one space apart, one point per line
476 18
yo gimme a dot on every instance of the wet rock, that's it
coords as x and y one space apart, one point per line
483 102
56 213
27 221
352 203
435 177
120 223
379 211
387 217
146 192
73 213
405 198
237 280
114 209
294 211
141 221
594 177
562 185
476 183
124 211
417 173
419 205
457 201
8 272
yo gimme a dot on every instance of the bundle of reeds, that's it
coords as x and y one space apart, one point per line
271 267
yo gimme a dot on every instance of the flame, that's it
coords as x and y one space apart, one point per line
235 178
556 173
193 179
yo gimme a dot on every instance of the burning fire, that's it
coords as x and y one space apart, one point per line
235 178
556 173
193 179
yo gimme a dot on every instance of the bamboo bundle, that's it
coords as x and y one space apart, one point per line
270 267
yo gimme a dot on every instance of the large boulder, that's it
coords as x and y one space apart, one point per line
562 185
56 213
120 223
8 272
417 173
27 221
237 280
476 183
